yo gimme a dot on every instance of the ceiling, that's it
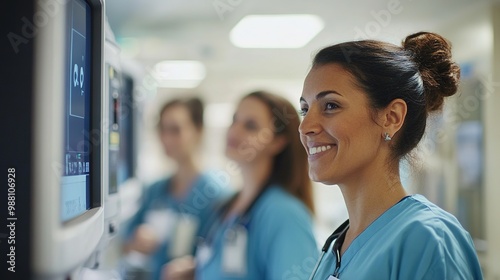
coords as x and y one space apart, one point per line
153 30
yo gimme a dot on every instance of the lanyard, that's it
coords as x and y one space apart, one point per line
338 236
337 246
243 219
342 228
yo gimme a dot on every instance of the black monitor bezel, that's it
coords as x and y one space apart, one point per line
97 28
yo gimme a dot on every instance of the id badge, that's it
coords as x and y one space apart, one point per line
331 277
203 254
234 254
184 236
162 221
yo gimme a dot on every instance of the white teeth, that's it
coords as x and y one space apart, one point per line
316 150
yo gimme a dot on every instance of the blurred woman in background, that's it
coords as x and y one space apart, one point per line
264 231
365 106
175 209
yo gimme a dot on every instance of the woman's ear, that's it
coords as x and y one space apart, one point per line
393 117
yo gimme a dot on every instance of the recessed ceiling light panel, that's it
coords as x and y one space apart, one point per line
275 31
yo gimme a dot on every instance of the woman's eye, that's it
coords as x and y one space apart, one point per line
331 106
171 129
250 125
303 112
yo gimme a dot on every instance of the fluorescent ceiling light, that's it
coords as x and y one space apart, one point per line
179 73
275 31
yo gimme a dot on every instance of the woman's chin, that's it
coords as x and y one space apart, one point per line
319 177
175 155
232 154
315 176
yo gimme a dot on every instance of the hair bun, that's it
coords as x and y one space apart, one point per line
440 74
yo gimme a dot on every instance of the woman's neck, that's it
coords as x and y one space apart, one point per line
182 180
255 176
368 196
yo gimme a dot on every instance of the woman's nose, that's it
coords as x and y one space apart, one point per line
310 124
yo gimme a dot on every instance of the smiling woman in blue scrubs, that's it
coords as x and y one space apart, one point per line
264 232
365 106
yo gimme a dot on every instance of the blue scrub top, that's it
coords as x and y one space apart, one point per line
280 242
414 239
205 193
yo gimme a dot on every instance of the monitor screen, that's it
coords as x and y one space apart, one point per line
75 183
126 162
113 89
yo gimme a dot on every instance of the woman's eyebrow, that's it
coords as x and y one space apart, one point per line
322 94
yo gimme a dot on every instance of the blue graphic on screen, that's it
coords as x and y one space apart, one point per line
75 184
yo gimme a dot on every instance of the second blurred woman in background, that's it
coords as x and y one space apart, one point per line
265 231
175 209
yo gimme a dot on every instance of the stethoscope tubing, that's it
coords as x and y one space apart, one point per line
317 265
327 245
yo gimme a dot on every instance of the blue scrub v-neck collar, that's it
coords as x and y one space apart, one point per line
189 192
368 233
